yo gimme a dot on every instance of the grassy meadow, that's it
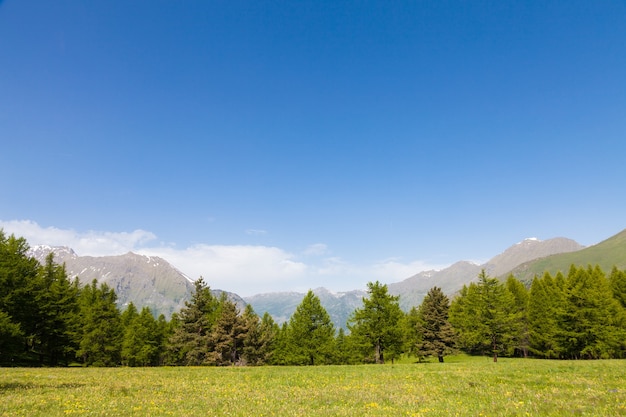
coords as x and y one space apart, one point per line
460 387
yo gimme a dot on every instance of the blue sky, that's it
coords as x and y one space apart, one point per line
289 145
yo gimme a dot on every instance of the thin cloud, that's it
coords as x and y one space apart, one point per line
317 249
256 232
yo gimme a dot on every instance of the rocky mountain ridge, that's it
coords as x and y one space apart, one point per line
413 289
145 280
151 281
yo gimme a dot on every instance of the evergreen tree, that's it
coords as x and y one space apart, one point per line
546 310
412 335
141 343
190 341
594 320
310 334
483 316
228 334
378 323
10 339
164 330
617 281
101 328
129 315
18 271
57 304
259 340
520 331
437 337
281 354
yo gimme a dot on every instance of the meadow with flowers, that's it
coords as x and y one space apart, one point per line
463 386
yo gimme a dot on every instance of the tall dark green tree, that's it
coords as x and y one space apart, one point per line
228 334
190 342
57 305
377 325
436 335
310 334
17 304
260 335
10 339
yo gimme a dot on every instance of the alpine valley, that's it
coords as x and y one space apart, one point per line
153 282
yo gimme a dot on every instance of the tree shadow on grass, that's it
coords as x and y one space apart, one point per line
15 386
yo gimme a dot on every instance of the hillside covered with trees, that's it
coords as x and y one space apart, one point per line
48 319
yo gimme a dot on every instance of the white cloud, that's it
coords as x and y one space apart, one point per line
244 269
90 243
392 270
256 232
317 249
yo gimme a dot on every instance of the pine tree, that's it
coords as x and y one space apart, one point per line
437 337
228 334
57 303
190 341
259 340
310 334
378 323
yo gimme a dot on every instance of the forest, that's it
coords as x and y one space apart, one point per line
50 319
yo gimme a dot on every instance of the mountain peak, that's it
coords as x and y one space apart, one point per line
528 250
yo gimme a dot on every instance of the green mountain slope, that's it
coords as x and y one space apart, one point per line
607 254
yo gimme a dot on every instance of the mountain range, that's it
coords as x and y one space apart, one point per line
153 282
145 280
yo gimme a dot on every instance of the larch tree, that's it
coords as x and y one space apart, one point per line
546 306
520 329
377 325
101 328
310 333
483 315
594 319
617 281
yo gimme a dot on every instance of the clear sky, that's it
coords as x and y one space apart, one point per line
286 145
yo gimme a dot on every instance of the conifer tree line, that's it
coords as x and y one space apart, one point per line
47 319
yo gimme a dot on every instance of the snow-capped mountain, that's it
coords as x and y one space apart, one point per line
145 280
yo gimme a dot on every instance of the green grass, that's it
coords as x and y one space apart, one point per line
460 387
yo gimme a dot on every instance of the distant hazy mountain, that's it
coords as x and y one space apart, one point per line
153 282
281 305
145 280
607 254
412 290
